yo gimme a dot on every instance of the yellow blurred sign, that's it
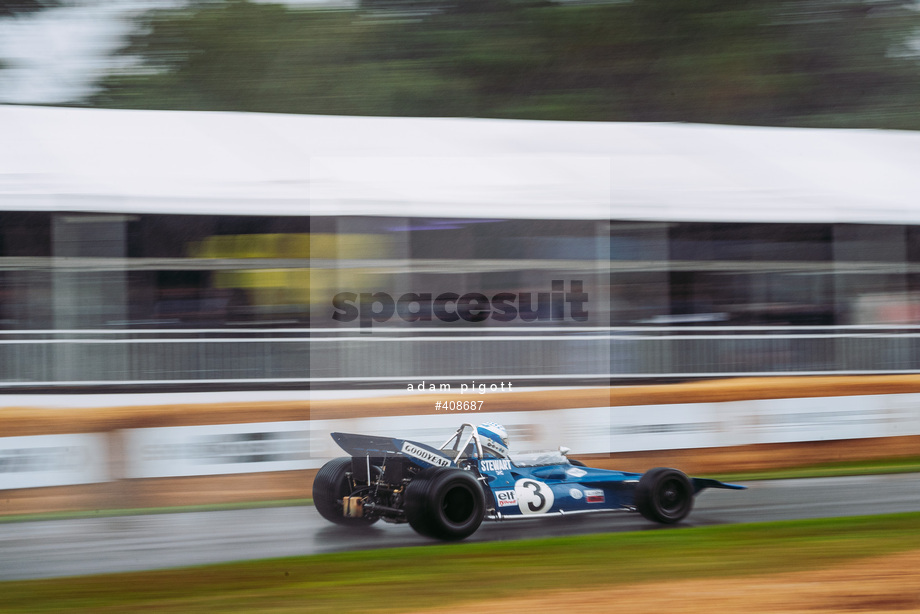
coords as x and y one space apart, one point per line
293 285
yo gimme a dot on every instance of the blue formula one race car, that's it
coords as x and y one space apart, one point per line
447 492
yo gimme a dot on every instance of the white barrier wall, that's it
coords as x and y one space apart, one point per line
217 449
50 460
53 460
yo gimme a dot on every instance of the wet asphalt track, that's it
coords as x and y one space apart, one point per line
99 545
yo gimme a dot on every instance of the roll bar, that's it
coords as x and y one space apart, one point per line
453 443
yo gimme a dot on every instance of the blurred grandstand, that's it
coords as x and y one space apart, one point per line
148 248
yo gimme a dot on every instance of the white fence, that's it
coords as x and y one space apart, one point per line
344 356
50 460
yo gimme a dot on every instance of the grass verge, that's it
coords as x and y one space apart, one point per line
402 579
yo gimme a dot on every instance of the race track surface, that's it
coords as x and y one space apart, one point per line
54 548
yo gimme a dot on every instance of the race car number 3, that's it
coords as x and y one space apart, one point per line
533 497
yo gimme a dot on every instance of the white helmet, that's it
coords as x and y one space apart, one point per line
494 439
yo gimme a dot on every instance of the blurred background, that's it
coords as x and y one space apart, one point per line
187 185
828 63
677 293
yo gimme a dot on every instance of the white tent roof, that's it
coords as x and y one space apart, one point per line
62 159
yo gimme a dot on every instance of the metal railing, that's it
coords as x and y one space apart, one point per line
332 356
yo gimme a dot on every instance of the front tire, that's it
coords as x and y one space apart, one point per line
331 484
445 503
664 495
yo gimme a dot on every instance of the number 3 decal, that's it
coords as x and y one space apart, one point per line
533 497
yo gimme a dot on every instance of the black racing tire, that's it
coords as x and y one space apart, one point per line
329 486
664 495
445 503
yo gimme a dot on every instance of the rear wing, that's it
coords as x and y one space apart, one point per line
374 446
462 444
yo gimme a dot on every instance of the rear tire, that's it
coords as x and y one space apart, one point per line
329 486
445 503
664 495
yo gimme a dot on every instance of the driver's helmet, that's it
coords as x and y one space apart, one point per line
494 439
